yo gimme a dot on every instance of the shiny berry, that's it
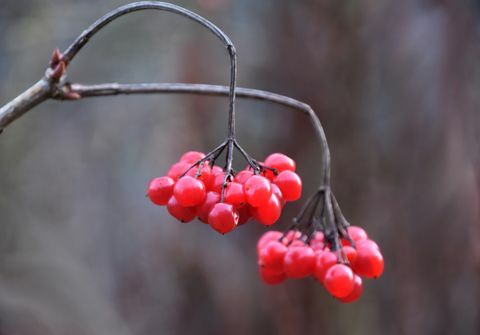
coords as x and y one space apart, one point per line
276 191
289 184
357 233
217 183
160 190
204 209
184 214
189 191
272 255
269 213
243 214
351 254
191 157
339 280
257 190
356 292
243 176
280 162
177 169
271 278
369 261
299 262
223 218
270 235
324 261
234 194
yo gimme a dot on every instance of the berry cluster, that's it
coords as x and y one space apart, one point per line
196 187
290 255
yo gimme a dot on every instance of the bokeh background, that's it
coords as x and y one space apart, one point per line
396 85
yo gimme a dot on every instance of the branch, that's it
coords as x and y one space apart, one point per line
85 91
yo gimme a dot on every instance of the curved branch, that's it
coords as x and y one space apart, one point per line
214 90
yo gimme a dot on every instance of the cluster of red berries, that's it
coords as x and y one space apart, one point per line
193 187
282 256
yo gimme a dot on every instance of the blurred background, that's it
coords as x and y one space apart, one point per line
396 85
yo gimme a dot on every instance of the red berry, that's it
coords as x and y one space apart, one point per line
269 213
205 175
291 236
218 180
271 278
184 214
369 261
278 193
324 261
290 184
280 162
189 191
160 190
356 292
243 176
272 255
299 262
257 190
270 235
223 218
177 169
351 254
204 209
367 243
357 233
234 194
216 170
339 280
191 157
243 214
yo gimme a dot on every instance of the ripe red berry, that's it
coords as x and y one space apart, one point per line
243 176
218 180
270 235
351 254
234 194
356 292
280 162
339 280
184 214
223 218
269 213
290 184
272 255
177 169
204 209
369 261
367 243
257 190
189 191
324 261
160 190
205 175
299 262
191 157
357 233
276 191
291 236
243 214
271 278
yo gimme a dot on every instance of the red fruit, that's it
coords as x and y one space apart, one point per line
217 184
191 157
276 191
270 235
268 214
280 162
160 190
205 175
272 255
223 218
257 190
290 184
351 254
367 243
243 214
339 280
177 169
204 209
184 214
324 261
291 236
299 262
357 233
243 176
189 191
234 194
271 278
369 262
216 170
356 292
